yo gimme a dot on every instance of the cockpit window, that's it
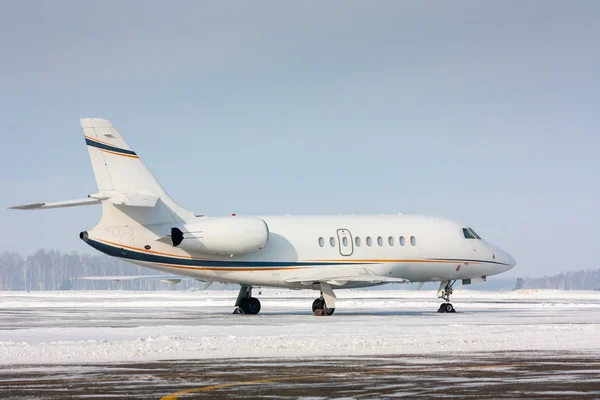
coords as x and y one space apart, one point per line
475 233
468 234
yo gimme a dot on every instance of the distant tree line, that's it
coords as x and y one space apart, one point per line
53 270
576 280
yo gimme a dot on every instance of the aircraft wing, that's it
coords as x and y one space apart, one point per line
342 280
172 279
342 277
367 279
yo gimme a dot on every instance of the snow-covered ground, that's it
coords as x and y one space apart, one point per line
107 326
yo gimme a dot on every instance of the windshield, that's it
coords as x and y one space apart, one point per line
475 233
470 234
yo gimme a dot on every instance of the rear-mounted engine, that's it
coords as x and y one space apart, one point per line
230 236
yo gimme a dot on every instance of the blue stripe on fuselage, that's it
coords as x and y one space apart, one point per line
158 259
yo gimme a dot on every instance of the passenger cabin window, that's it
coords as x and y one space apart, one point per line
380 241
401 240
413 241
391 241
345 241
468 234
369 241
357 241
332 241
321 242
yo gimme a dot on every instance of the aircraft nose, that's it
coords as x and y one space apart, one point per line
503 257
510 260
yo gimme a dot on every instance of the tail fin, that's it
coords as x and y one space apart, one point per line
125 185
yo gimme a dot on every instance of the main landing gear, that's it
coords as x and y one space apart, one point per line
245 303
324 305
444 293
319 308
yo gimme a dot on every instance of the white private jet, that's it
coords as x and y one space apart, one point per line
141 224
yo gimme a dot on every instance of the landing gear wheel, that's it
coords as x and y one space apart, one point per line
318 304
446 291
250 305
319 308
446 308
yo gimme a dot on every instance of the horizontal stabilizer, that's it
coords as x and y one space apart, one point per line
135 199
59 204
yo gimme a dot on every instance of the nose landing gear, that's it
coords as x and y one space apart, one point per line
444 293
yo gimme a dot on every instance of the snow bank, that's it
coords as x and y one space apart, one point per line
67 327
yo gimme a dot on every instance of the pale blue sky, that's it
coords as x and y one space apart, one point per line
482 112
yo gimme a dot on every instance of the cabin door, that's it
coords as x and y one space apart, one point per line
345 242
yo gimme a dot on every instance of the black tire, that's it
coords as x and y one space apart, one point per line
250 306
253 305
449 308
318 304
329 311
442 308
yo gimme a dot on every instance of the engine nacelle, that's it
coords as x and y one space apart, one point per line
226 236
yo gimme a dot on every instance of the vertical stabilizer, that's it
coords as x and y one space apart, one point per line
123 179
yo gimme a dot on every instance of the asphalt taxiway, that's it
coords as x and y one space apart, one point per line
534 375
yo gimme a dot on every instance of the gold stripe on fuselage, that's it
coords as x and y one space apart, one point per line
150 251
